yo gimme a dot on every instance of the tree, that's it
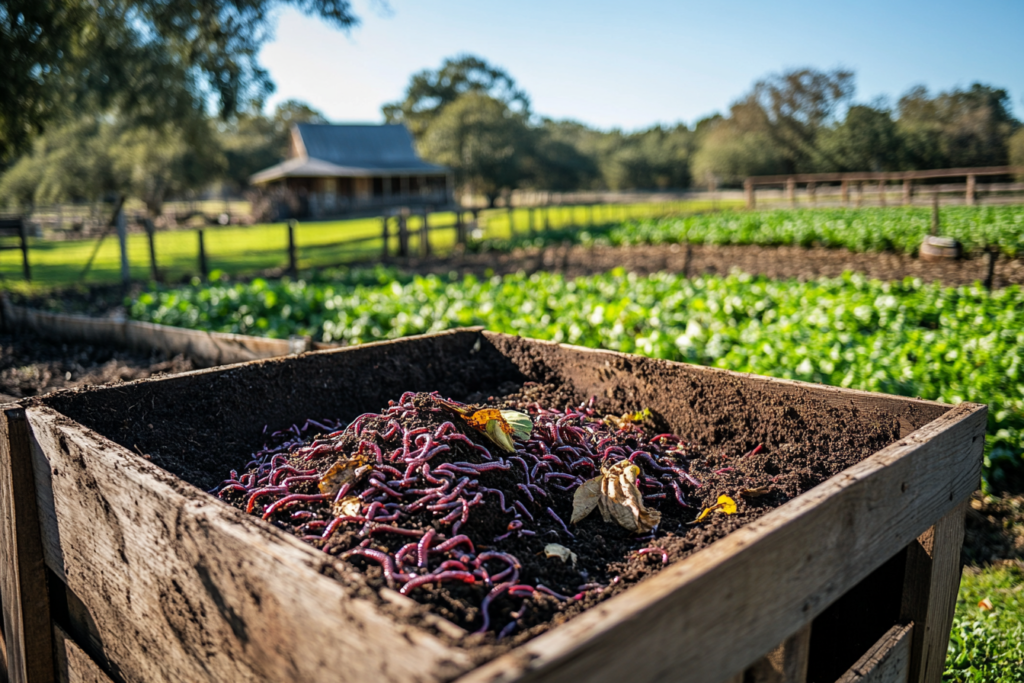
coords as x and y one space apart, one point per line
156 60
959 128
555 161
728 155
429 92
93 157
791 109
481 140
1016 151
867 140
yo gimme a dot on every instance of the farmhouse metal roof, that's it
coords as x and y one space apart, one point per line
343 150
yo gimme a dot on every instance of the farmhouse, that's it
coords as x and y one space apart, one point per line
339 169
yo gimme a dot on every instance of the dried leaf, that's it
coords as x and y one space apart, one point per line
756 493
585 499
622 502
725 504
561 552
986 605
345 471
349 506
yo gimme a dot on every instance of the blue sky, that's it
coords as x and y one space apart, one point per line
633 64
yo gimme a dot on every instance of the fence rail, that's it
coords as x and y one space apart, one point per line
882 181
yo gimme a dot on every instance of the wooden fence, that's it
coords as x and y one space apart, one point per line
881 183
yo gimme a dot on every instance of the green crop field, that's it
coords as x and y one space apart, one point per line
868 229
240 250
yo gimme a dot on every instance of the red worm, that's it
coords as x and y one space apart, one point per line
423 548
439 577
452 542
544 589
662 551
386 563
757 449
338 521
293 498
275 490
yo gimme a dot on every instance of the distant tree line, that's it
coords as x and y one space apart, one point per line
473 117
468 115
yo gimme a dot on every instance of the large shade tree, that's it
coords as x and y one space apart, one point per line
430 91
482 141
158 61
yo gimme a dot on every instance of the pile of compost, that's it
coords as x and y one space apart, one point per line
508 527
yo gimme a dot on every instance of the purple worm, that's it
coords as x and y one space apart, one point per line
561 523
484 611
423 548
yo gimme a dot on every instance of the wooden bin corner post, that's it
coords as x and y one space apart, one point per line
930 587
27 628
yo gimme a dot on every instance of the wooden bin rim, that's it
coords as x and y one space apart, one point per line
848 526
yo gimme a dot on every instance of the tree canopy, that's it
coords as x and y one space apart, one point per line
429 92
161 61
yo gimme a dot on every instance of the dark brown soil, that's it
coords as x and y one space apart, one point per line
994 529
201 426
31 365
694 260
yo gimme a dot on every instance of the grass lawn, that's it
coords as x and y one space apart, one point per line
241 250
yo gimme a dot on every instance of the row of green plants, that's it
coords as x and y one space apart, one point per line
899 229
908 338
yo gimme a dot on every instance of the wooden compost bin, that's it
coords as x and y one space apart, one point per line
115 568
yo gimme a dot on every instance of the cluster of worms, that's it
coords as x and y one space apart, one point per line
440 505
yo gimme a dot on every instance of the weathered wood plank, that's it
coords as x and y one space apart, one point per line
205 348
929 593
26 604
73 664
773 575
179 586
787 663
888 660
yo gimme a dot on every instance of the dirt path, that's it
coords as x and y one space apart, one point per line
774 262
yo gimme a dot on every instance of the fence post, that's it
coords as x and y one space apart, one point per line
860 194
935 213
530 212
881 193
403 233
970 190
122 238
153 272
202 254
748 190
293 266
546 211
23 233
460 226
384 232
791 191
844 191
908 191
425 234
